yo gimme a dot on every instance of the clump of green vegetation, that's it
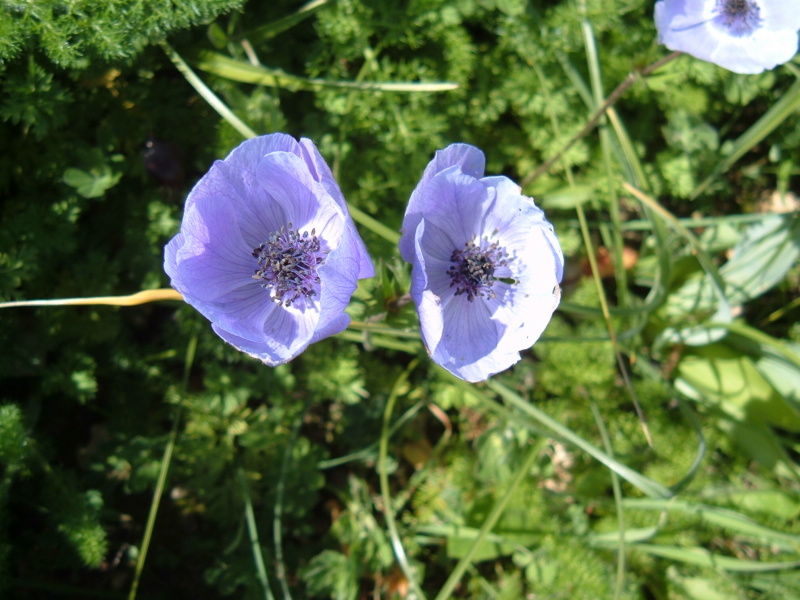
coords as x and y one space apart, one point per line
644 448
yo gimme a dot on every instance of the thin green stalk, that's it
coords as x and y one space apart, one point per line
383 476
491 520
646 369
644 224
702 255
378 341
252 531
610 325
617 489
162 474
597 91
613 234
375 226
277 514
645 484
370 451
788 104
208 95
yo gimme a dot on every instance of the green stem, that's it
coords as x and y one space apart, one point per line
206 92
252 531
491 520
617 489
277 516
162 474
645 484
383 476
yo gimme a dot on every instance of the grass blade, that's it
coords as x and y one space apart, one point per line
270 30
701 557
252 530
207 94
237 70
383 475
491 520
645 484
162 474
777 114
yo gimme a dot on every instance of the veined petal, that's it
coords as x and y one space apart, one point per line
764 49
780 15
433 251
470 161
456 203
339 276
526 318
302 198
242 312
322 173
476 344
212 259
251 206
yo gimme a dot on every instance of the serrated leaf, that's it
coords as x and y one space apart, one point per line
93 183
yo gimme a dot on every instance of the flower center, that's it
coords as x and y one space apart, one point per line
473 268
740 17
288 263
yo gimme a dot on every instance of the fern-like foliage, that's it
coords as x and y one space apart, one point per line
72 33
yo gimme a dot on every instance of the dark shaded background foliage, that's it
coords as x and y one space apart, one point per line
103 138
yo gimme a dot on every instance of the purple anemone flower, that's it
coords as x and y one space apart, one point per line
743 36
267 249
485 265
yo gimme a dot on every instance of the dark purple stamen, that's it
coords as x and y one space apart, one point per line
473 270
288 263
740 17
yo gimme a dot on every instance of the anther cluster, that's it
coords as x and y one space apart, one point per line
474 267
288 263
740 17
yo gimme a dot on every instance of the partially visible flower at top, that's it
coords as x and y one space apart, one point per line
743 36
485 265
267 249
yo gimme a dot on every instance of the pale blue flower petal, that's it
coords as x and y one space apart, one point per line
285 336
324 175
303 201
469 159
456 203
213 258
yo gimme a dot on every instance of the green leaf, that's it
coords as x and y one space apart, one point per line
761 258
701 557
728 380
733 521
93 183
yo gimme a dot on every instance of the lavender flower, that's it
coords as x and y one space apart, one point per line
485 265
267 250
743 36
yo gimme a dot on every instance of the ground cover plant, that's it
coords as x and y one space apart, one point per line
645 446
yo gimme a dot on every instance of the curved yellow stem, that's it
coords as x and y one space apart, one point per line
142 297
